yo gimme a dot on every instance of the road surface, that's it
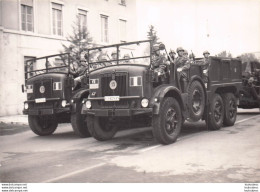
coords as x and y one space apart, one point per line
229 155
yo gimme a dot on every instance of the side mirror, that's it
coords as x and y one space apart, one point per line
23 88
161 46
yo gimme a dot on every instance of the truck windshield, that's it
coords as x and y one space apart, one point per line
54 63
133 53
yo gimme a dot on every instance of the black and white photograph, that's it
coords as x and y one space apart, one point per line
162 93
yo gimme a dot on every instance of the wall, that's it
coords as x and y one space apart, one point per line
15 44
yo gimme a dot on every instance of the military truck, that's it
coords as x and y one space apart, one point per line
127 88
250 93
51 96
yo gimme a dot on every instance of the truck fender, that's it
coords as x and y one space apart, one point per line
76 98
165 91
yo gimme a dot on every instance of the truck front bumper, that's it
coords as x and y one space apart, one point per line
48 111
116 112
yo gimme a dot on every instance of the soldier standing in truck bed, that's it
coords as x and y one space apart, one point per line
183 65
205 67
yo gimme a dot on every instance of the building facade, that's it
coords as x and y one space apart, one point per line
36 28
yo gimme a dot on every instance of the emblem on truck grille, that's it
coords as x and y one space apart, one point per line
42 89
113 84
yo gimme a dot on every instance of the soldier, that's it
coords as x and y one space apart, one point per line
159 63
126 56
172 55
114 57
205 67
182 65
79 73
185 54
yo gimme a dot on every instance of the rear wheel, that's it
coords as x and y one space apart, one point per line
216 110
43 125
167 124
78 122
196 100
230 103
102 128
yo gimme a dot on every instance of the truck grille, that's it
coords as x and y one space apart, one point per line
120 90
48 89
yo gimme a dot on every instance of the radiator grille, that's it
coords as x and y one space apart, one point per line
120 90
48 89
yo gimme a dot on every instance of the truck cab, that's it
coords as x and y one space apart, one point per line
122 90
50 88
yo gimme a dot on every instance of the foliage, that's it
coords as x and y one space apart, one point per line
152 35
79 42
247 57
224 54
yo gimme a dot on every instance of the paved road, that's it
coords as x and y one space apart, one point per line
229 155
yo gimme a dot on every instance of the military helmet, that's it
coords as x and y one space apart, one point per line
113 53
126 56
205 52
179 49
156 47
172 51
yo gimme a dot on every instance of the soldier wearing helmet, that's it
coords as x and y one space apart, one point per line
159 63
182 65
78 72
205 67
172 55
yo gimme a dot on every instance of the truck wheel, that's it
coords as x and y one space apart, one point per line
78 122
196 100
43 125
101 128
167 124
230 103
216 110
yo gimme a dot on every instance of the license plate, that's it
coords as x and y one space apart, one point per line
40 100
111 98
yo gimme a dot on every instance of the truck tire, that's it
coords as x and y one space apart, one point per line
79 123
101 128
43 125
216 110
196 100
230 103
167 124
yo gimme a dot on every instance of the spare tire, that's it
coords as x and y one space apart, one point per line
196 100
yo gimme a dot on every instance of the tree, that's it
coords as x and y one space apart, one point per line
247 57
224 54
79 42
152 35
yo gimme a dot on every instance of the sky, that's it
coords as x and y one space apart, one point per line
198 25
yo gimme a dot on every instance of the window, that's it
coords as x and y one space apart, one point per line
29 67
122 30
104 28
27 15
122 2
57 19
82 19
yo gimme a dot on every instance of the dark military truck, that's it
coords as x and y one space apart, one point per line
127 88
250 93
51 97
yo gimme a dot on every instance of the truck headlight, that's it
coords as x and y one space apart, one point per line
63 103
88 104
26 106
144 102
